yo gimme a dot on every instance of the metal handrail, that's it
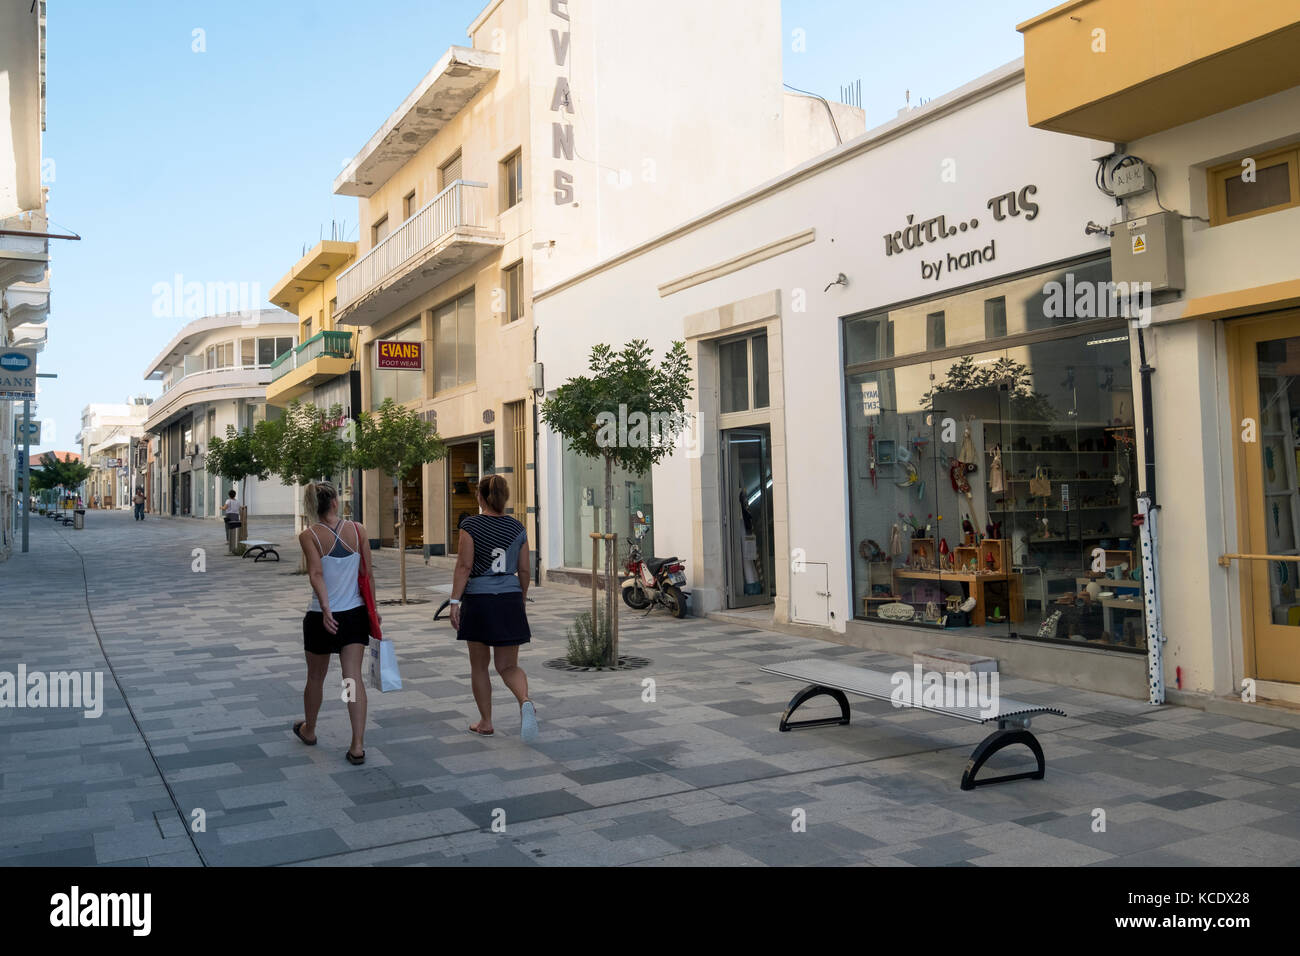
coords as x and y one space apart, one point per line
1225 560
328 342
460 205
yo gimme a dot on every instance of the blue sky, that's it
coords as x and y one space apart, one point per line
217 165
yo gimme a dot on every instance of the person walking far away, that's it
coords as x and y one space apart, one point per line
139 504
337 621
488 595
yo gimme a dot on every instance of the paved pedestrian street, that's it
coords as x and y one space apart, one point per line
210 670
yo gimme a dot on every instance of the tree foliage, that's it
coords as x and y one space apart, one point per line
628 412
395 439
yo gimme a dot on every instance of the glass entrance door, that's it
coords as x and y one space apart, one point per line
747 529
1267 373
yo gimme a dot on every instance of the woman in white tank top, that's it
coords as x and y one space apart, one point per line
337 621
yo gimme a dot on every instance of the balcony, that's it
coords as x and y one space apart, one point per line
324 356
196 385
448 235
30 335
458 77
1165 63
27 302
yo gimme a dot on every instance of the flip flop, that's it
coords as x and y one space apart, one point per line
297 732
356 761
527 722
481 734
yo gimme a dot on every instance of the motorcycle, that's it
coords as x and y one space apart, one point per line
651 581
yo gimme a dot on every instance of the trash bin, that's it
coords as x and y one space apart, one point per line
78 519
232 534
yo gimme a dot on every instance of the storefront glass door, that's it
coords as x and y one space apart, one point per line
1268 371
747 490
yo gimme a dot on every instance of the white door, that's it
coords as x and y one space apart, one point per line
810 597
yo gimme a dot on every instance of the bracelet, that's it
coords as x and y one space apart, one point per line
455 601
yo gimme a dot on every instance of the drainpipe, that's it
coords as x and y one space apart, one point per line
537 497
1149 511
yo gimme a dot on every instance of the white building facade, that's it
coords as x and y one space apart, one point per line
214 373
926 295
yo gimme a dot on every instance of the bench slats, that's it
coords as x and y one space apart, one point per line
879 685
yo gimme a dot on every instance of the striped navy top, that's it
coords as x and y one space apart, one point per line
497 541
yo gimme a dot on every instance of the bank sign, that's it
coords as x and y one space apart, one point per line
18 375
403 355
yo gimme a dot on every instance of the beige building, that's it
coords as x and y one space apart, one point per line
566 131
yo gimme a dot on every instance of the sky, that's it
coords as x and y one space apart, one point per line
200 139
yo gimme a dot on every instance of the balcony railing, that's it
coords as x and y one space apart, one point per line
462 205
330 344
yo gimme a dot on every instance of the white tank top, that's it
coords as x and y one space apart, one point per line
340 566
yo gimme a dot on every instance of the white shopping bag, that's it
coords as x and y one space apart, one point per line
383 666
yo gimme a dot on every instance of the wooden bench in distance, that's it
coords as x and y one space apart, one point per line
833 679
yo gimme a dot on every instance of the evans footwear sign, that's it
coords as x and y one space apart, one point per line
18 375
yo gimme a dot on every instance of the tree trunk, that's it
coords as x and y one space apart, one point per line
610 609
401 532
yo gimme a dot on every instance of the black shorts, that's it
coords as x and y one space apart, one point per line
497 620
354 628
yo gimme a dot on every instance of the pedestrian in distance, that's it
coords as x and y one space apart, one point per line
139 504
337 621
489 591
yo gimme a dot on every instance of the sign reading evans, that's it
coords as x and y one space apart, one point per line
18 375
407 355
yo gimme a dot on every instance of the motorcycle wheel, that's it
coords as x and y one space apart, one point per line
675 600
635 598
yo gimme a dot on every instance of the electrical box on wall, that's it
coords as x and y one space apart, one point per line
1132 178
1149 249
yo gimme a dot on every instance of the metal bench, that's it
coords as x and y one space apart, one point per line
833 679
260 550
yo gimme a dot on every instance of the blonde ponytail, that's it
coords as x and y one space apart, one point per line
317 498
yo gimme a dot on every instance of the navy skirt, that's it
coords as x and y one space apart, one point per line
497 620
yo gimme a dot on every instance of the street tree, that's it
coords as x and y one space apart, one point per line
394 439
236 458
628 412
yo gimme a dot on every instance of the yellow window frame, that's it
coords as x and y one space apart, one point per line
1218 177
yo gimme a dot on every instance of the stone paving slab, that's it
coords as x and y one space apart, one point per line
211 664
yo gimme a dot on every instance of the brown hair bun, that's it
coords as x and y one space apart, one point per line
494 492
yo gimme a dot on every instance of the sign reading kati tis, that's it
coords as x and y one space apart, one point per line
407 355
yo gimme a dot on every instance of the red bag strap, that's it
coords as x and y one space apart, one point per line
365 559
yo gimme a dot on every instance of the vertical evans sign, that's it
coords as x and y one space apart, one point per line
562 102
18 375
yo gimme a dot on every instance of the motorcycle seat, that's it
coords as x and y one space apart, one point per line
654 564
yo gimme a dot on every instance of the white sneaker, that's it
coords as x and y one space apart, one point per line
528 722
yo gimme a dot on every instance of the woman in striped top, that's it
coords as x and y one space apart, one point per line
487 602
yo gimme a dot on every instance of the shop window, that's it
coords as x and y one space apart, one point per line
512 181
584 496
1007 474
513 280
453 343
1254 185
743 390
401 385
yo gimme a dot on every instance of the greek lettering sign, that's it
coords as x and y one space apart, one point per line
18 375
403 355
870 398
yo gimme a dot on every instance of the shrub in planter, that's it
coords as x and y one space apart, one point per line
588 646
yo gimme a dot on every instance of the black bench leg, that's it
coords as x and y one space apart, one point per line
991 745
807 694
